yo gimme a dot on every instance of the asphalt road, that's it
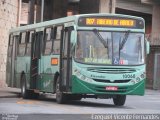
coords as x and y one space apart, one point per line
46 108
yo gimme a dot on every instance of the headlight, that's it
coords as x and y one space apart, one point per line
142 76
82 77
138 79
135 81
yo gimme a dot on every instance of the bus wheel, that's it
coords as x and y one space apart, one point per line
60 97
119 100
24 91
27 94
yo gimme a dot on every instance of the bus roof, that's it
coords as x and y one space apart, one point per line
60 21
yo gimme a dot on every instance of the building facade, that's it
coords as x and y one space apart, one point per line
8 19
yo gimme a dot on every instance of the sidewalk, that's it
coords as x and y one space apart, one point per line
152 92
9 92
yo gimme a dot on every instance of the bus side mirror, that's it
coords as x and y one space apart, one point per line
147 47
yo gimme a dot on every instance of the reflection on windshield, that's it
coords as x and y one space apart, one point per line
91 48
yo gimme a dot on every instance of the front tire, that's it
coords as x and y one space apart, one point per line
119 100
60 96
24 91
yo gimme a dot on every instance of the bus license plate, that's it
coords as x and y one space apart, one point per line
113 88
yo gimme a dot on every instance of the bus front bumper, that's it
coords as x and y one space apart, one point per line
82 87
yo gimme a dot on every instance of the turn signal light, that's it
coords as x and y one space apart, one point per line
54 61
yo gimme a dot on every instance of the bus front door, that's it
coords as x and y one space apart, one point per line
65 60
35 58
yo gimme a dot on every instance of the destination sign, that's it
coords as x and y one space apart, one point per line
110 22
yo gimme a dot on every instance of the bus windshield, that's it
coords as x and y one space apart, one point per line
111 48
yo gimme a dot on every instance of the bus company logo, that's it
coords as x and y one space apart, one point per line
95 76
112 81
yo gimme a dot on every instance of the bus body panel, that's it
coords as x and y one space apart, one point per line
8 71
22 66
47 73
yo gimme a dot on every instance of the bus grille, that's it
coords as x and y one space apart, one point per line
115 81
112 70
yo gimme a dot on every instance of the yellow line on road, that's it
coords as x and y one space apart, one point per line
27 102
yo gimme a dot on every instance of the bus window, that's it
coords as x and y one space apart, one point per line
22 44
57 37
48 41
10 40
58 32
13 44
30 36
10 45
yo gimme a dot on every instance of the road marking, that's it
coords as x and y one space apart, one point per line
27 102
158 101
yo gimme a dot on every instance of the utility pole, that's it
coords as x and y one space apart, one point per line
42 9
31 12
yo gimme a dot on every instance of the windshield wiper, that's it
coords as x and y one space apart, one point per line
102 40
125 38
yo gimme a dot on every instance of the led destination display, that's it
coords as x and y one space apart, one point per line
110 22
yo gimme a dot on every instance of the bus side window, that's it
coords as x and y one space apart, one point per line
16 39
29 37
10 45
57 37
22 44
48 41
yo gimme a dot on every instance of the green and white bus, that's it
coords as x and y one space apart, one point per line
81 56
